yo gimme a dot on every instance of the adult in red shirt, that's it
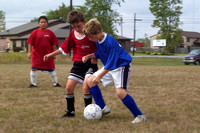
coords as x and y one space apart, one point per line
41 42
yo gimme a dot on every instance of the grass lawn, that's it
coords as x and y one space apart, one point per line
165 90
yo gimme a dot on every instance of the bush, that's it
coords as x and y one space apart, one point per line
17 49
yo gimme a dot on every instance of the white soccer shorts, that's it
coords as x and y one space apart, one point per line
119 76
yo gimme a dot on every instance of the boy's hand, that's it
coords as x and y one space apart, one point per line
29 55
46 57
84 59
96 80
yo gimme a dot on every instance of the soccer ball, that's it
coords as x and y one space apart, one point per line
92 112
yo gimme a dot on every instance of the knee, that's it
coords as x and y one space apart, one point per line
121 93
90 81
69 90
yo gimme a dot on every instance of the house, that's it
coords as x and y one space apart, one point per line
15 39
191 40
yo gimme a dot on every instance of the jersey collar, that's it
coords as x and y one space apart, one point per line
79 38
105 35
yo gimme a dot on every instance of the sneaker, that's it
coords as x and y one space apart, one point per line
31 86
57 85
68 114
105 110
139 118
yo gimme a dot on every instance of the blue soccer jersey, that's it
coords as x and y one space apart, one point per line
111 53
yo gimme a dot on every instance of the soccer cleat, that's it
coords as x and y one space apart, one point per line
139 118
31 86
57 85
68 114
105 110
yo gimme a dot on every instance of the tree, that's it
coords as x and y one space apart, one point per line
60 13
102 10
2 21
167 14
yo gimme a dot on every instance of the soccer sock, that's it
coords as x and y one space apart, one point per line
98 98
129 102
53 77
87 99
70 102
33 76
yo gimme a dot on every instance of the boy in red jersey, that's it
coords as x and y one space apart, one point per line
41 42
81 46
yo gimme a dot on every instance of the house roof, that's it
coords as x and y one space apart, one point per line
59 27
123 38
187 34
191 34
26 27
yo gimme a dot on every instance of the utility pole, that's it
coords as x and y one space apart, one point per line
70 28
121 22
70 5
134 32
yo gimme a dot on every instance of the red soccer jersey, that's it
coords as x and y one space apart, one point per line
80 46
42 42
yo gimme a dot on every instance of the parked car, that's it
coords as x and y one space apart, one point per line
193 57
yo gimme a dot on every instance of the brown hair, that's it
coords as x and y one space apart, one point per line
75 17
91 27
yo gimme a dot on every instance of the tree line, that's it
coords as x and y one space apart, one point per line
166 12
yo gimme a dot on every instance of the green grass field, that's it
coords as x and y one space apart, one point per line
165 90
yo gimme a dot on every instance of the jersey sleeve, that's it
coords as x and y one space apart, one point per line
31 39
54 39
67 45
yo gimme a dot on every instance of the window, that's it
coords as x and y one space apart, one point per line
22 44
188 39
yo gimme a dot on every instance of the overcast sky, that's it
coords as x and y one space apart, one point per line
19 12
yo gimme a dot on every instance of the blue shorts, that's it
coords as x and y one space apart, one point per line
49 70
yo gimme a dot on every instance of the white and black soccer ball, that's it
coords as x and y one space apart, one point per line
92 112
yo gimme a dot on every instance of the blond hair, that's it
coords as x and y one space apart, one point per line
91 27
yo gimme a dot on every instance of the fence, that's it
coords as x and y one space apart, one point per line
184 50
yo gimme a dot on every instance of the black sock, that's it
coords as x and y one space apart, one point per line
70 102
87 99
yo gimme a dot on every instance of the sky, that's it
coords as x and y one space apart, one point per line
19 12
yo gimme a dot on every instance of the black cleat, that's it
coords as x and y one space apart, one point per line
31 86
57 85
68 114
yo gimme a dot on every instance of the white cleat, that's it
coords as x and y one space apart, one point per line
105 110
139 118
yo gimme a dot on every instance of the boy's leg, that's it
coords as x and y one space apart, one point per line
129 102
33 77
54 78
97 95
70 99
98 98
86 92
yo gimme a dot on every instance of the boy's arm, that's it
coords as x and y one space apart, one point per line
87 57
29 51
97 79
54 49
47 56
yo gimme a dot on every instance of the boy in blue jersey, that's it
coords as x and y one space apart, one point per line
117 68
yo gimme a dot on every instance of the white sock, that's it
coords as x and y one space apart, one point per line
53 77
33 76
